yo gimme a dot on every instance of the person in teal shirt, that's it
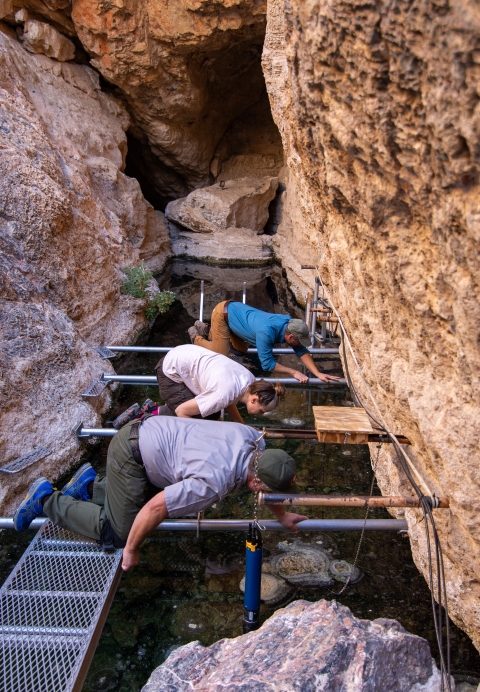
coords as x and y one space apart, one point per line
236 326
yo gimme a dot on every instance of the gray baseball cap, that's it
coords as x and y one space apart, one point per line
276 469
300 331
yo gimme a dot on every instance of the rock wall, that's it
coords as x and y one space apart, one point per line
187 70
70 220
378 110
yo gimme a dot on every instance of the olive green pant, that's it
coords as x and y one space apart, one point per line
118 497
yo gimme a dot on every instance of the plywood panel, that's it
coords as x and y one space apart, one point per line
341 424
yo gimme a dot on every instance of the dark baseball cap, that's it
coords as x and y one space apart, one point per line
277 469
299 330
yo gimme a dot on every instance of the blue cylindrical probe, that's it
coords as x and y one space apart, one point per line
253 579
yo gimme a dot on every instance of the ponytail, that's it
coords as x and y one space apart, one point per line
269 394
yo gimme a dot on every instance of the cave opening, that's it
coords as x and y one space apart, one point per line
229 129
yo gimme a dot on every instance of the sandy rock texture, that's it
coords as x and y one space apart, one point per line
305 646
191 74
39 37
378 110
70 221
224 221
241 203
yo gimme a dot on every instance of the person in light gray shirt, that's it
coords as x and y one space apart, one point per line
157 468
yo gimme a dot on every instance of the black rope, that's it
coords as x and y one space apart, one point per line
426 506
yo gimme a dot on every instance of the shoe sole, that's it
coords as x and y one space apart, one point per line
31 491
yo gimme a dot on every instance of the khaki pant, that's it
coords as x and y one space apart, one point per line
221 336
118 497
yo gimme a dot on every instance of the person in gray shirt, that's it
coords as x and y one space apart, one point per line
194 464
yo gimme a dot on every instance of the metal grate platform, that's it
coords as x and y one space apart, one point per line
105 352
52 610
26 460
96 388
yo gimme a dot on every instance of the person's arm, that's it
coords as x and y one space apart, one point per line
232 411
290 371
309 363
187 409
151 514
287 519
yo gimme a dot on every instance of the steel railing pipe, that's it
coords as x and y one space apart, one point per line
270 525
166 349
274 434
151 379
346 501
202 295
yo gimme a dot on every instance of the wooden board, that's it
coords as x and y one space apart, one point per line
341 424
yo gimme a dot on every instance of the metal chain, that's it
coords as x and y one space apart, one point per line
374 467
256 481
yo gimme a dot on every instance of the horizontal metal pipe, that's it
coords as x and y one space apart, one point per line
151 379
346 501
311 434
165 349
270 525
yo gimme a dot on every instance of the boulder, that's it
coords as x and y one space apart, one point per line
241 203
305 646
39 37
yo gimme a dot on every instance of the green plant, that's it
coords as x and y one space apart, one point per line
137 281
136 284
158 304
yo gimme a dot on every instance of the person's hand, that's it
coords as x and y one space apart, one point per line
290 519
130 559
300 376
328 378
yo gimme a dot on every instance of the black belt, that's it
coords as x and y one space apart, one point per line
134 442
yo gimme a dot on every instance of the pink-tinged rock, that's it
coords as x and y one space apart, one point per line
314 647
39 37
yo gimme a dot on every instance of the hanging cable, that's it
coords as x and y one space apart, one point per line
427 503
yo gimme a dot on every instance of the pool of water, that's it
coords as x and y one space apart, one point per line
186 588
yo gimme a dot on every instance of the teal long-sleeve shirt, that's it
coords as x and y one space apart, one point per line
260 329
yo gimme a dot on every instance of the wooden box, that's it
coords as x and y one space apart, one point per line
341 424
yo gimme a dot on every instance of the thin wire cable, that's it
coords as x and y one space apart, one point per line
360 541
426 503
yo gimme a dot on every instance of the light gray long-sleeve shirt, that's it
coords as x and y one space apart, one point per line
196 462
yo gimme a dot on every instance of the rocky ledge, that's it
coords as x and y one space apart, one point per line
224 222
305 646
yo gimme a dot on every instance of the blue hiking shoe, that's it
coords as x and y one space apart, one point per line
31 507
77 486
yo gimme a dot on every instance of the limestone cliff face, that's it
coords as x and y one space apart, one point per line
70 221
378 110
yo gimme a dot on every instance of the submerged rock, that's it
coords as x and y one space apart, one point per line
332 650
273 588
303 565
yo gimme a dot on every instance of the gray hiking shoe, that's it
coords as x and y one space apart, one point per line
192 333
202 328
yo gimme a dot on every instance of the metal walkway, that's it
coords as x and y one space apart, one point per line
52 610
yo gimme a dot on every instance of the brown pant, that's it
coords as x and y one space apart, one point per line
221 336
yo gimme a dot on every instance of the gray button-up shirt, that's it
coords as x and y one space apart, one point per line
197 462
